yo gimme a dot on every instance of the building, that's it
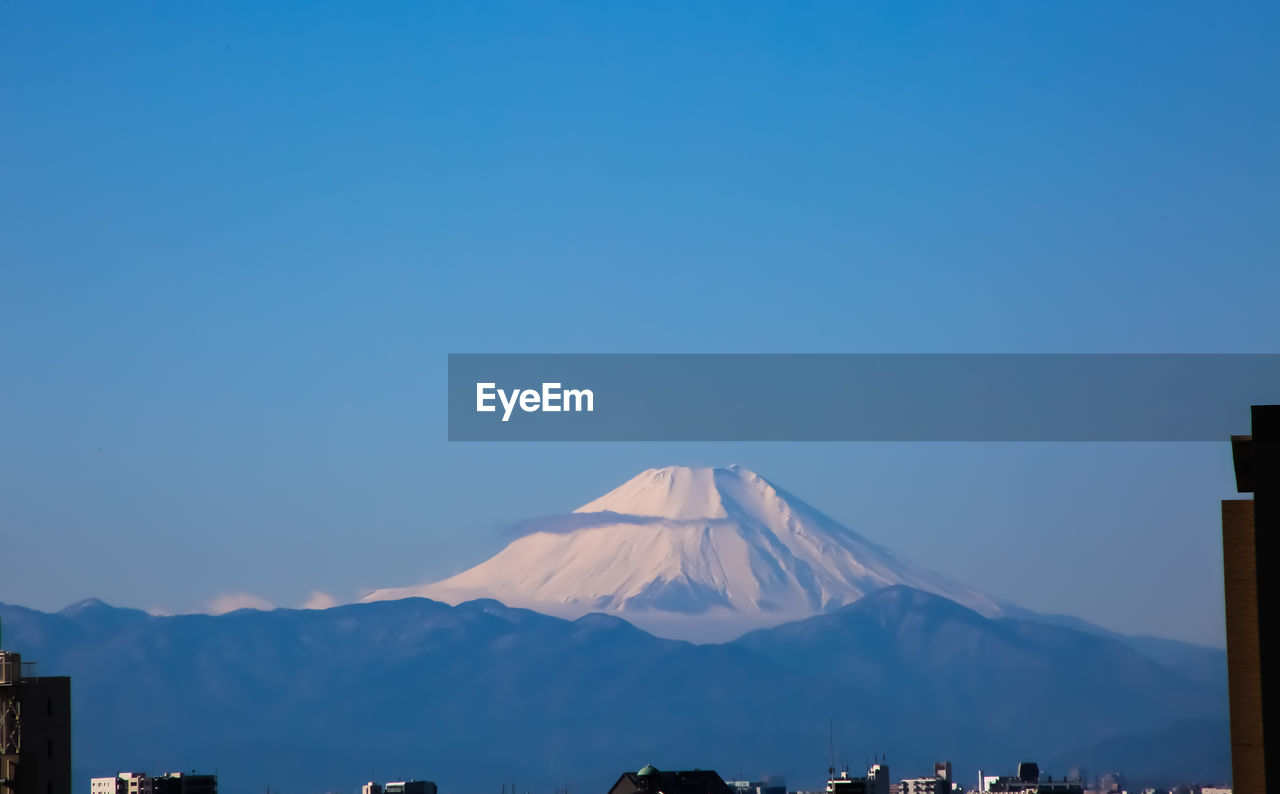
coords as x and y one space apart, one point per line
35 730
399 787
169 783
410 787
846 784
778 786
1029 781
924 785
939 783
650 780
876 781
1250 528
182 783
123 783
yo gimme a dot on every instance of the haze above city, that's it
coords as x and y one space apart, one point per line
236 256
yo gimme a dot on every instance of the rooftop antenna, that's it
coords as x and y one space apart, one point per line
831 749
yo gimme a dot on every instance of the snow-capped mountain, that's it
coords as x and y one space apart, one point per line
692 553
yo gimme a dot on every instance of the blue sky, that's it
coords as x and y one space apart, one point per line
239 240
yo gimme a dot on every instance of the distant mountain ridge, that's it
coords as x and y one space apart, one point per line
324 699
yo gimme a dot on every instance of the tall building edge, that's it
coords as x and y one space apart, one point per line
35 730
1249 536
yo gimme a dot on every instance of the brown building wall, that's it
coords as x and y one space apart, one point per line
1240 574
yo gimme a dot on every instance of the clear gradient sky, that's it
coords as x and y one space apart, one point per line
237 241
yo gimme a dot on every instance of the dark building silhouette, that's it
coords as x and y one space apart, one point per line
35 730
650 780
1249 536
179 783
876 781
410 787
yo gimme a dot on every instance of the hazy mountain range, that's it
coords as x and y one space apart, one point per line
475 694
479 694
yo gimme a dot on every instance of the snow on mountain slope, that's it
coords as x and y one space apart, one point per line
692 553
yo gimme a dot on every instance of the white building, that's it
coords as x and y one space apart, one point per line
924 785
123 783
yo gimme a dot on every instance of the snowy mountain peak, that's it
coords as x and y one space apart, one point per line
691 553
685 493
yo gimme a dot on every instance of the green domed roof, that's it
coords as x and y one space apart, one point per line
648 770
